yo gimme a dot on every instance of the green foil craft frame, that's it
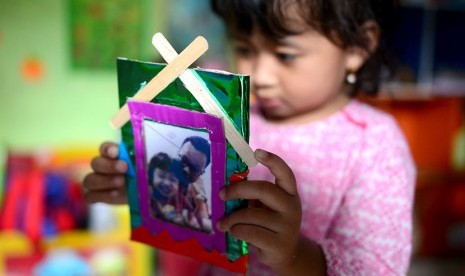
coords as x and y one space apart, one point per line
231 91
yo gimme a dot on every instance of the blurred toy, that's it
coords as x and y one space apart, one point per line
40 201
109 262
63 262
22 209
65 208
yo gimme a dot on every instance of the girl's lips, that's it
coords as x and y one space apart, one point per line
270 103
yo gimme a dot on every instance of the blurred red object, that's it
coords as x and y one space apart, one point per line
23 209
40 200
440 208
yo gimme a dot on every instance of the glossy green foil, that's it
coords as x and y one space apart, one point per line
231 91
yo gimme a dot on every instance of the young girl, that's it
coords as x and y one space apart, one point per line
167 186
336 196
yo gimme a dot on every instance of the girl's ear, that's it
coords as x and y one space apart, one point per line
356 56
370 32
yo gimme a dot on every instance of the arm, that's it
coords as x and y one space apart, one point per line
272 221
371 231
201 209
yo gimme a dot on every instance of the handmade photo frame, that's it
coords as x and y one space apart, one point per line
178 115
180 161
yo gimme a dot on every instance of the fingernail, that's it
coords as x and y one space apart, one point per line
112 152
262 153
222 194
121 166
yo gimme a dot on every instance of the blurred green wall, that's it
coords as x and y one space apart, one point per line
68 107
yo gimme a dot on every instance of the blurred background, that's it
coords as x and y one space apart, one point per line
58 90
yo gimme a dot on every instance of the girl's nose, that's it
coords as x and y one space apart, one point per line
263 74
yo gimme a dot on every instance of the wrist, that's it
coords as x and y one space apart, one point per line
308 259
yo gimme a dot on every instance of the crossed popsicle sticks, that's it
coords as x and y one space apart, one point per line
177 66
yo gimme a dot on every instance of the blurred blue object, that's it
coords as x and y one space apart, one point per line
56 186
63 262
123 155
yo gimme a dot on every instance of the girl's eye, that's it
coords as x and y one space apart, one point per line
243 52
285 57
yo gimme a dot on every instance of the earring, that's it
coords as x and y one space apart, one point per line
351 77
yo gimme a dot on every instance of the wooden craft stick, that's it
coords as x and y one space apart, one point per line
203 96
175 67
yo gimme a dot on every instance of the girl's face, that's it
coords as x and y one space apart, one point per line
165 182
298 79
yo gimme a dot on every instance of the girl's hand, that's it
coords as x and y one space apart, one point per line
272 221
107 181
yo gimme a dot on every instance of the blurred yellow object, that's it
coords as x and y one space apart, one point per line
458 150
13 243
73 155
137 259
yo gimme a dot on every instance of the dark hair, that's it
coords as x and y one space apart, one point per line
199 144
338 20
160 160
164 162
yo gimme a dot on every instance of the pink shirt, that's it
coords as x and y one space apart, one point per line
355 177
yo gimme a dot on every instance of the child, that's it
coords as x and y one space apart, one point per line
167 182
338 200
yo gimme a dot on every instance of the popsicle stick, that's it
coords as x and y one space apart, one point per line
175 67
201 93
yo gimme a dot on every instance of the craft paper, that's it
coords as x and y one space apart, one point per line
177 115
161 129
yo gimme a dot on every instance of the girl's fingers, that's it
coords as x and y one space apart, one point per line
114 196
109 150
269 194
105 165
281 171
95 182
253 203
257 236
251 216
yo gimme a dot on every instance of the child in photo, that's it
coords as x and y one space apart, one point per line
167 184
